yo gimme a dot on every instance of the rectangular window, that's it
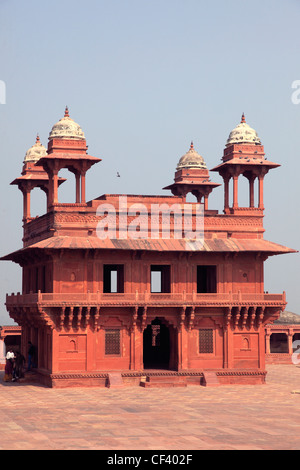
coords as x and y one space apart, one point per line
160 279
113 278
206 279
206 343
112 342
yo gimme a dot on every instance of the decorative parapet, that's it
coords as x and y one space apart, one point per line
63 216
146 298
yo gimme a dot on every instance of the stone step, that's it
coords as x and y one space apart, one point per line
210 379
163 381
29 377
115 380
165 378
162 384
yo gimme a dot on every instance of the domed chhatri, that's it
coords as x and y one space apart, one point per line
191 159
66 128
192 176
243 134
35 152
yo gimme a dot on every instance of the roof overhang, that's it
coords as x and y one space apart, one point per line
230 245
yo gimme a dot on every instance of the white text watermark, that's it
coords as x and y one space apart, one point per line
2 92
296 353
296 94
156 221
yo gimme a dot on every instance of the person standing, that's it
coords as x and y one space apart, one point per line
8 372
19 364
31 355
10 354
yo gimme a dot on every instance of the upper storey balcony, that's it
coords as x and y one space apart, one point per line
83 310
144 299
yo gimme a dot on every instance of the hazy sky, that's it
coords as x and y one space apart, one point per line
143 78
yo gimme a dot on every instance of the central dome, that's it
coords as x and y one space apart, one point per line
191 159
66 128
243 134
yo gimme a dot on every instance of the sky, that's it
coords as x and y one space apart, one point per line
143 79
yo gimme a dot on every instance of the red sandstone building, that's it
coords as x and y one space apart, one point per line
153 310
283 340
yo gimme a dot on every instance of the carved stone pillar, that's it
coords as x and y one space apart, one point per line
268 337
290 341
261 191
226 191
235 192
26 203
83 172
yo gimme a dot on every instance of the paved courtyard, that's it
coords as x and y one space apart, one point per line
241 417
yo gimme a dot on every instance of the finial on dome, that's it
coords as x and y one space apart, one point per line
37 139
243 118
192 146
67 112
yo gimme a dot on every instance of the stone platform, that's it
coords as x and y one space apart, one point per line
135 378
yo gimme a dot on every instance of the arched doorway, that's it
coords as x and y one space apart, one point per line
156 345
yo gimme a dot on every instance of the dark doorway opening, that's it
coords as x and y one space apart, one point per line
13 342
279 343
156 346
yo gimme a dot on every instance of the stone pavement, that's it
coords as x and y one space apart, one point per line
240 417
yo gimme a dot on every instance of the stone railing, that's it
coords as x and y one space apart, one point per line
145 298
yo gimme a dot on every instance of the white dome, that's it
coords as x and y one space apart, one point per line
35 152
243 134
191 159
66 128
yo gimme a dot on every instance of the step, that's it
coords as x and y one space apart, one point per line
162 384
115 380
163 381
210 379
165 378
29 377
